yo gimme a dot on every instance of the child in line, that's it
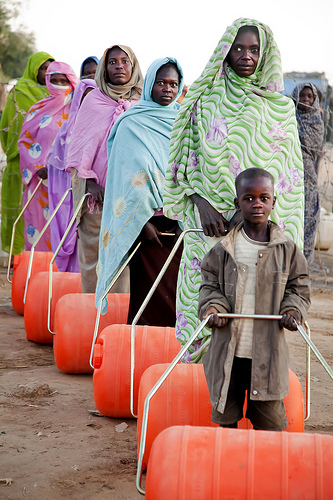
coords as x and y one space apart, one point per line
255 269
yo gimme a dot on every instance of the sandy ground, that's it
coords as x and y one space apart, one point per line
53 446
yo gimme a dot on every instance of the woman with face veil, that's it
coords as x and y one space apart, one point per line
39 130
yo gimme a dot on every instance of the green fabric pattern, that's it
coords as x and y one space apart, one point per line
23 95
226 124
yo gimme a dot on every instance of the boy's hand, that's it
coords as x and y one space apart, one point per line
215 321
287 320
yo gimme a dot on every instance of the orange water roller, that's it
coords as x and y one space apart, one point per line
36 304
74 321
111 379
202 463
41 262
183 399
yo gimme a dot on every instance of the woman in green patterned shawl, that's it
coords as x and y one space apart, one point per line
232 118
29 89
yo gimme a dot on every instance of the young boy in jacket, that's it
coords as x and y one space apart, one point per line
255 269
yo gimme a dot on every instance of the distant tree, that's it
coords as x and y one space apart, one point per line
15 46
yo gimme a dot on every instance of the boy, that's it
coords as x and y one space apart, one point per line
255 269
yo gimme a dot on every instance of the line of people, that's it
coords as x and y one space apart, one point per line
66 140
154 168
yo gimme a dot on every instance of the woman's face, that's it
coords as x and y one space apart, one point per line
118 66
59 79
89 70
243 56
306 99
165 88
41 72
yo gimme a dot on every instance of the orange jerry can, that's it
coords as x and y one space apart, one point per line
111 379
202 463
74 323
36 303
183 399
41 262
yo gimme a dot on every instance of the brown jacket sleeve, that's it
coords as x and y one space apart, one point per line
210 293
297 292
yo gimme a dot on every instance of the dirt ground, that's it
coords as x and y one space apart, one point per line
53 446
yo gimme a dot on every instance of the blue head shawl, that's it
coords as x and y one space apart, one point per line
138 152
94 58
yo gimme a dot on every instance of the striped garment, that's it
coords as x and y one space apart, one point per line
227 123
246 252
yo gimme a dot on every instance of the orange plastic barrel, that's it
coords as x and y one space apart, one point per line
36 304
41 262
74 324
183 399
201 463
111 379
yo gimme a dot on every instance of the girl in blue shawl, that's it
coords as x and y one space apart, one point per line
138 152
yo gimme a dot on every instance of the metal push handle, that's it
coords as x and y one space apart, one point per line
112 282
179 356
38 239
308 373
98 314
14 228
144 304
71 222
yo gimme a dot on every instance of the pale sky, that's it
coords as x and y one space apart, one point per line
71 30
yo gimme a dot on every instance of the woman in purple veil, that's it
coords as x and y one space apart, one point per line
59 181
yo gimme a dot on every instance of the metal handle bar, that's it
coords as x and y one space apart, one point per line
71 222
98 315
38 239
14 228
179 356
307 376
144 304
112 282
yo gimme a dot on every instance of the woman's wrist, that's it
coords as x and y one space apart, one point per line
196 198
91 182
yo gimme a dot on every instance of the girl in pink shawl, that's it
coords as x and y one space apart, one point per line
59 181
119 81
39 129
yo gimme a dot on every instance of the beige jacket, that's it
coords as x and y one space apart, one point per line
282 284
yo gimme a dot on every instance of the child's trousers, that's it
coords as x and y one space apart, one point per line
264 415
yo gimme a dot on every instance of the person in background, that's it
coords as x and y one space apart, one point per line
39 129
59 180
88 68
119 81
246 354
320 99
138 152
28 90
311 134
232 118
